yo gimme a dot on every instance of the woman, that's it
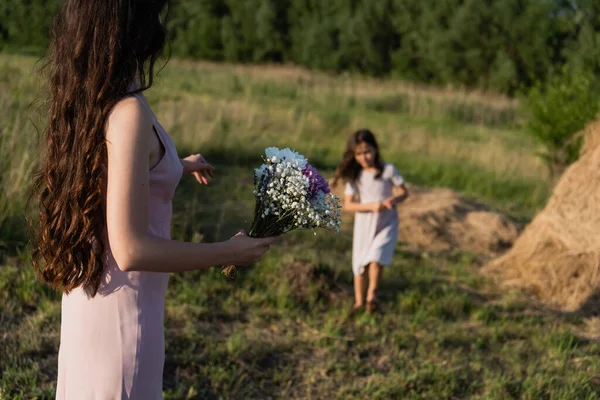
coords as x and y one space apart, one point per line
105 189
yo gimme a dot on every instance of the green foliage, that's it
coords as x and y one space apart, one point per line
25 24
496 45
584 51
490 44
196 25
559 110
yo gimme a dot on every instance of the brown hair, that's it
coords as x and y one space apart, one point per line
349 169
97 50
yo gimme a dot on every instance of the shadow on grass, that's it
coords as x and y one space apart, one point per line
591 307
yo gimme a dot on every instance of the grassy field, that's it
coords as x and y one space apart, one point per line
282 330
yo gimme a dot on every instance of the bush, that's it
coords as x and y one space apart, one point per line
558 110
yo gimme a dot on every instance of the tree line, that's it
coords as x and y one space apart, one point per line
500 45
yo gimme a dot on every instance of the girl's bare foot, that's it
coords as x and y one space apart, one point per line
373 306
356 308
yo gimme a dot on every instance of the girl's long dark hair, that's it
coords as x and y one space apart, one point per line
97 50
349 169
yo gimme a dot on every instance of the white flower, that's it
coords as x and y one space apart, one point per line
271 151
275 155
261 171
282 193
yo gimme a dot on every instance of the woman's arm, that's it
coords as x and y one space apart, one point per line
134 249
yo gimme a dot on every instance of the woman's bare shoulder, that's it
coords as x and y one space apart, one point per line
129 114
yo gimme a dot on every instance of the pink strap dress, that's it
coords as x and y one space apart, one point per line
112 345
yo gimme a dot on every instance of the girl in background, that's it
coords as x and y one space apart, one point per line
369 193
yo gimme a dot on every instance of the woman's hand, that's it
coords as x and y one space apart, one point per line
246 250
197 165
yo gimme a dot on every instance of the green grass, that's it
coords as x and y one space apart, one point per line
224 107
470 142
18 153
447 333
271 334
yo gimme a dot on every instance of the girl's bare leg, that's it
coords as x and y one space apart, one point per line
374 275
360 284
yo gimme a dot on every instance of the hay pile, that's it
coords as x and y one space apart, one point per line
557 257
440 220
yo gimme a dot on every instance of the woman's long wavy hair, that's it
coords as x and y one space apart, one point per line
349 169
98 49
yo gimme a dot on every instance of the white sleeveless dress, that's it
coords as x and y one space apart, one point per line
375 234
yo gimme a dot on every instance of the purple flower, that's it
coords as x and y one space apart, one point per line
317 182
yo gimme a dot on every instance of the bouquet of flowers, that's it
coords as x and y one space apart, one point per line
290 194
